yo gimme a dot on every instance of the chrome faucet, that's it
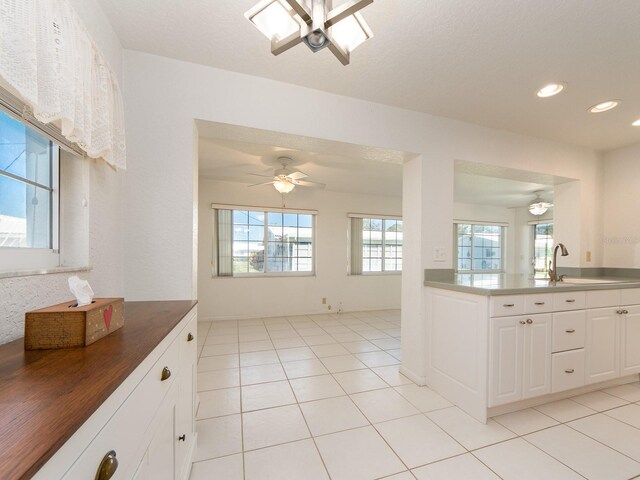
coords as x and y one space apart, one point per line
553 265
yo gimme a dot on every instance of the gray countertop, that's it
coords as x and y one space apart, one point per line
510 284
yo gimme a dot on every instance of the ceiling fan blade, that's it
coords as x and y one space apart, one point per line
297 175
258 184
259 175
306 183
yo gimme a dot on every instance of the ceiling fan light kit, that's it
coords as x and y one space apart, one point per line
286 23
538 206
285 179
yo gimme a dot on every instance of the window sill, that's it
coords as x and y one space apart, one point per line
45 271
267 275
374 274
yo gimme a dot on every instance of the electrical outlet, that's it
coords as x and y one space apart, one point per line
329 307
588 256
324 300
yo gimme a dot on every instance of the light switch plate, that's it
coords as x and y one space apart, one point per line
439 254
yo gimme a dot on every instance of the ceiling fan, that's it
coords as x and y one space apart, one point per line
285 179
539 206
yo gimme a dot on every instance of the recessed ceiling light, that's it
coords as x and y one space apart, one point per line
636 123
551 89
604 106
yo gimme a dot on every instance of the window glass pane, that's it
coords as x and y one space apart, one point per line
290 220
479 247
305 220
240 232
241 217
275 219
256 218
26 211
240 264
256 233
376 265
376 224
305 234
542 250
24 152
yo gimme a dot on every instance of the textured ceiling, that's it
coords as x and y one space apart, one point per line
478 61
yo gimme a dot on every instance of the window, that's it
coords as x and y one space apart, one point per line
542 248
250 241
29 166
479 247
376 245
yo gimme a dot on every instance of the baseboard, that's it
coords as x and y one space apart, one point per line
552 397
221 318
420 380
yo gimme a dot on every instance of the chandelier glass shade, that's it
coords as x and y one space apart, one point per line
286 23
284 185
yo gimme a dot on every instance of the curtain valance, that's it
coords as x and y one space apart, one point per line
48 58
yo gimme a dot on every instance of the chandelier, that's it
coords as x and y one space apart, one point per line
286 23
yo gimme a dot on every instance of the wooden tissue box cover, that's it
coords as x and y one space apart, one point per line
66 326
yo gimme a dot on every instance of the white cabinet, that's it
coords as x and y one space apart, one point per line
152 430
520 357
630 340
602 358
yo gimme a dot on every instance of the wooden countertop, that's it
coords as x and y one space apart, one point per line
46 395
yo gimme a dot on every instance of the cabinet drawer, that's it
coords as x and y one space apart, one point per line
125 431
630 296
539 303
505 305
188 340
568 301
602 298
567 370
569 330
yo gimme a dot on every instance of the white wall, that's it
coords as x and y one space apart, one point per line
223 298
622 204
21 294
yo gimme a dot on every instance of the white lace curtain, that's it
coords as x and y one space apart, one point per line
49 59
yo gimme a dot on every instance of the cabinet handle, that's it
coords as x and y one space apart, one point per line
166 373
570 370
108 466
522 322
189 337
508 305
570 300
571 330
182 437
539 303
529 321
625 312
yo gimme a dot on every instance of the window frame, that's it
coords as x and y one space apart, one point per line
28 259
266 211
503 245
383 218
533 226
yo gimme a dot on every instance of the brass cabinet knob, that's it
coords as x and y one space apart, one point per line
529 321
189 337
182 437
108 466
166 373
522 322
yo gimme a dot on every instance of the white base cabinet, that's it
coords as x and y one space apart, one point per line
538 345
151 430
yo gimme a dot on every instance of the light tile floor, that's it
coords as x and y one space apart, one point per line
320 397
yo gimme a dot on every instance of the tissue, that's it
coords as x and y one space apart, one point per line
81 290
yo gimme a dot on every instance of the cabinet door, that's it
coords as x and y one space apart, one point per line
505 373
630 340
161 453
601 346
185 421
537 355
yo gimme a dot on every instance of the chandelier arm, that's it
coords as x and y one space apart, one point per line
343 11
340 54
277 47
301 10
